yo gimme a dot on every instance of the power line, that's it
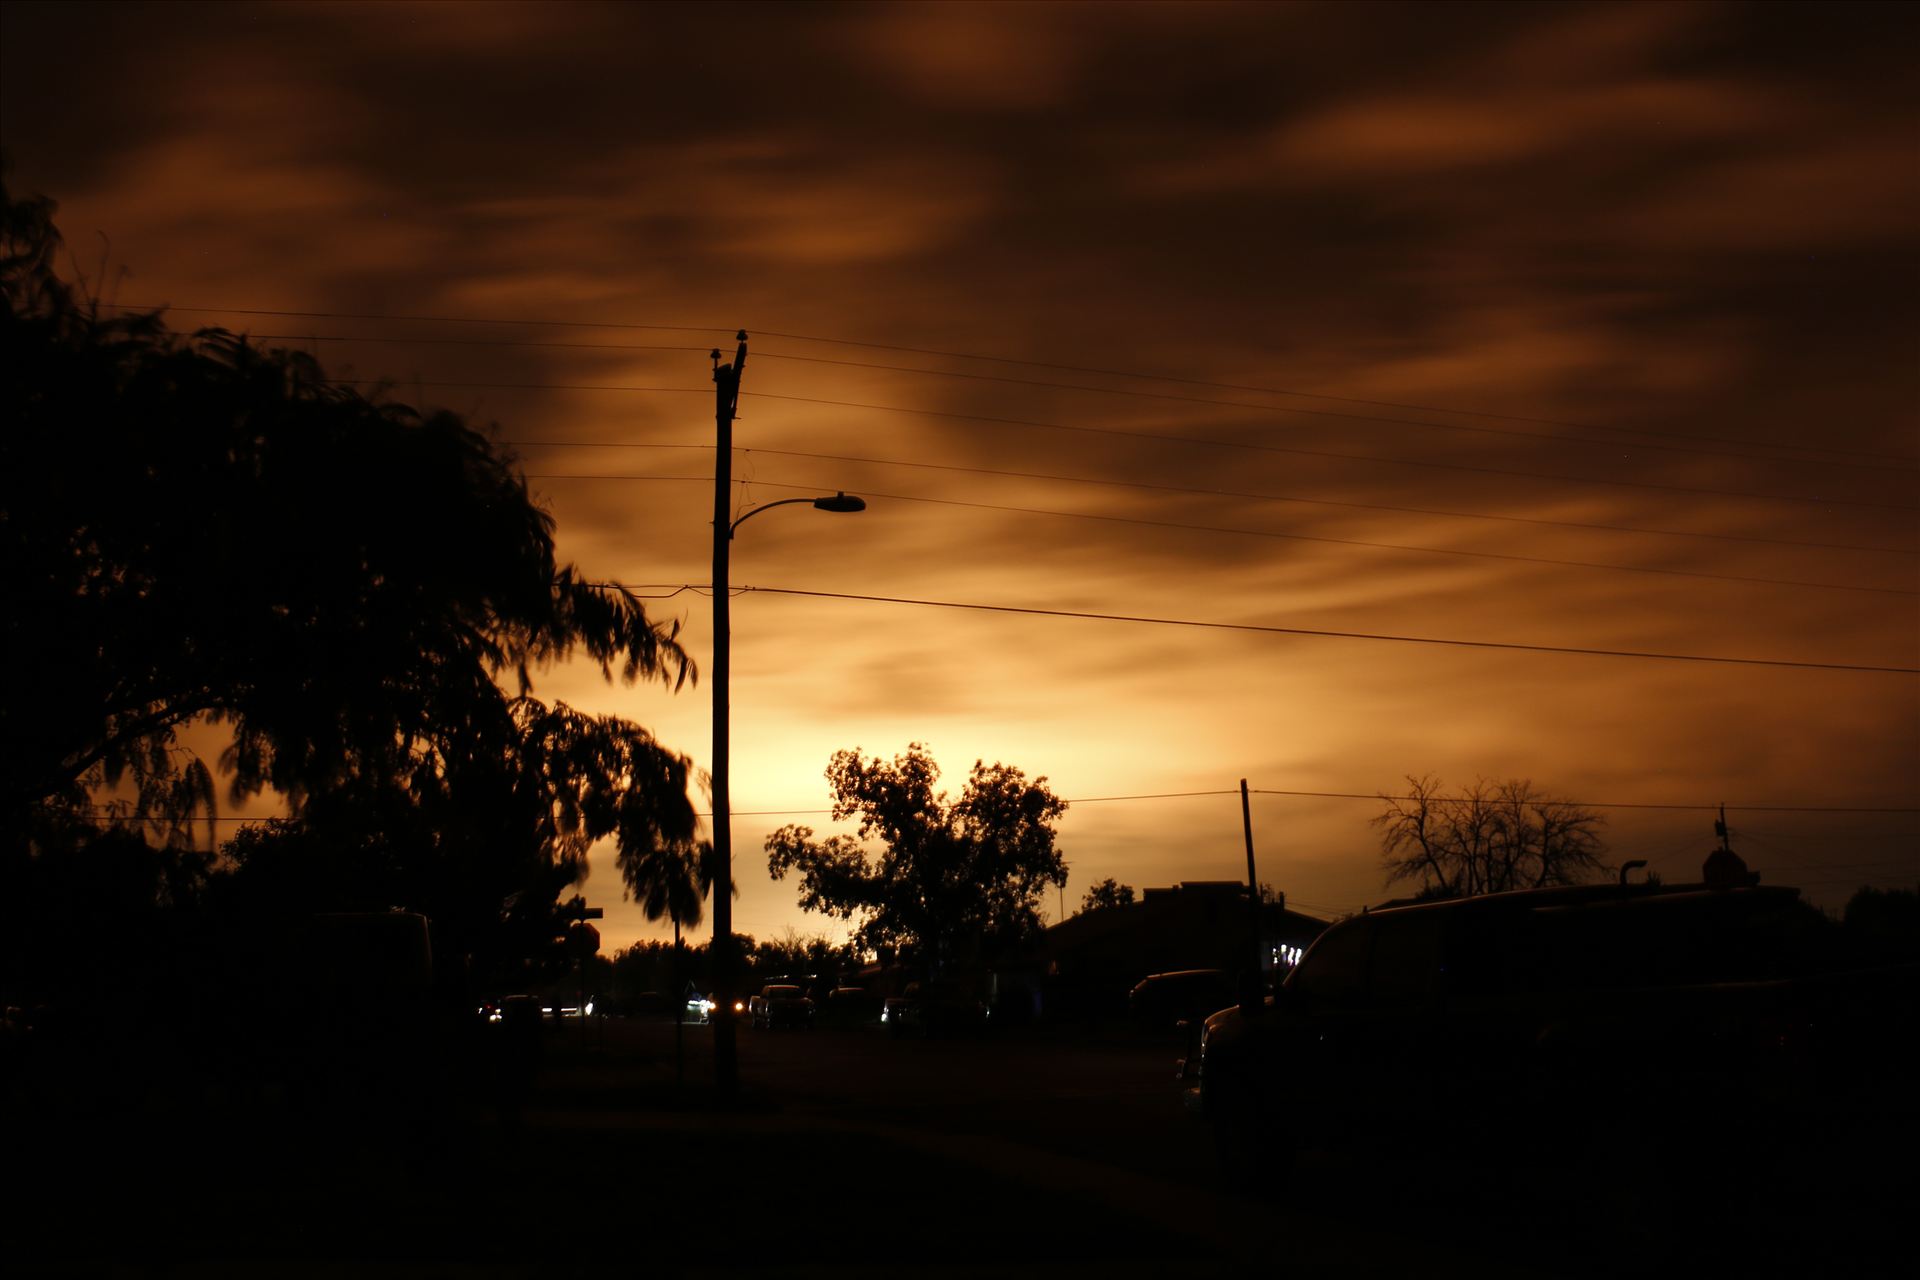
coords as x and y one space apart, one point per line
1036 364
1172 438
517 386
1318 633
1156 795
1318 413
1220 493
1317 395
1876 467
1367 796
388 341
1163 436
422 319
1265 533
1602 804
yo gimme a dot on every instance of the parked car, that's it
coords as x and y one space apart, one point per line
649 1004
1162 1001
1510 1006
781 1004
935 1008
850 1006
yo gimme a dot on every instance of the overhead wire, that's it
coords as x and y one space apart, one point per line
413 317
1293 451
1012 360
1508 557
1317 395
1318 413
1876 467
1169 437
1327 633
1368 796
1253 495
1611 804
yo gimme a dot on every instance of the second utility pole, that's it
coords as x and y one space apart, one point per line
1253 888
726 391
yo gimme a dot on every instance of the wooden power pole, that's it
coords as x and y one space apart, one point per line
1253 880
726 389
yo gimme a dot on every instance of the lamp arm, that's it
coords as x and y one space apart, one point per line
766 506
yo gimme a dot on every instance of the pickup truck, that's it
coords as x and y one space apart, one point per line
1493 1014
934 1008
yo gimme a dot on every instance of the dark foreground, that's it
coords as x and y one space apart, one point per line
850 1153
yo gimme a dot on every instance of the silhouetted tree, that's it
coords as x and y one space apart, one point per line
638 969
669 880
201 529
955 879
1108 893
794 954
482 842
1491 838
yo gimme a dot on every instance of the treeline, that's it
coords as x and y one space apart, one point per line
649 976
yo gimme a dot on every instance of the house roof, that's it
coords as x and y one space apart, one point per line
1185 925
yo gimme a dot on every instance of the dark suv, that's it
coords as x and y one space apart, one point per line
1499 1010
1160 1000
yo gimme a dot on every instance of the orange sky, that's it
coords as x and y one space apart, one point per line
1331 231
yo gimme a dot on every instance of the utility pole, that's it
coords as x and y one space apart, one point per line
726 393
1253 891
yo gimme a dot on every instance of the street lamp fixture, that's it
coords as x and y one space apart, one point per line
726 379
843 502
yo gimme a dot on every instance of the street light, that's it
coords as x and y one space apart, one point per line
726 379
838 502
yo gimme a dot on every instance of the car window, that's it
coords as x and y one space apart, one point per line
1335 970
1406 959
1489 952
1681 939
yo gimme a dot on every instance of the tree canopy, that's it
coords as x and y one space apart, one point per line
954 881
1493 837
1107 893
198 529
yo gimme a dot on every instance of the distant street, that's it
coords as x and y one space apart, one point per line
1027 1152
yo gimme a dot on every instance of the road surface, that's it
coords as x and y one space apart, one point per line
850 1153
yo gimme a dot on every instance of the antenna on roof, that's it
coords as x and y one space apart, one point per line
1725 869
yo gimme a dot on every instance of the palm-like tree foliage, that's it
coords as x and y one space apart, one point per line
668 878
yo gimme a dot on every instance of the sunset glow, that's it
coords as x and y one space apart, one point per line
1584 331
